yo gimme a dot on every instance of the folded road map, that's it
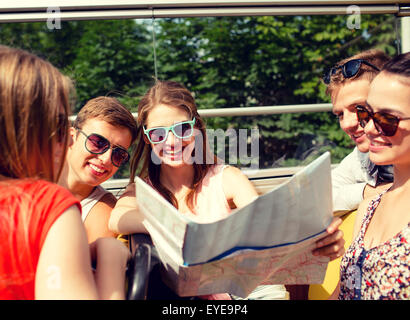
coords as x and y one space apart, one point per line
269 241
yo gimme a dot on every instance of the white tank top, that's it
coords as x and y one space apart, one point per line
88 203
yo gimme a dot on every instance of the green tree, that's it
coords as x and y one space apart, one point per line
113 57
251 61
225 61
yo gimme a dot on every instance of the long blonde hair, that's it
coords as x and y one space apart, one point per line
34 109
176 95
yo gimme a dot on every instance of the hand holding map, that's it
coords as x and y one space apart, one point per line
268 241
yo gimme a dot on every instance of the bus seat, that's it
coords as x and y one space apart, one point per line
324 290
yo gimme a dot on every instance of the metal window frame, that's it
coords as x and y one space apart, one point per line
255 111
25 5
27 11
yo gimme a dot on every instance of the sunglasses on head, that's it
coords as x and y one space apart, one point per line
386 124
349 69
181 130
97 144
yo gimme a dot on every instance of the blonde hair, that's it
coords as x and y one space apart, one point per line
374 56
34 109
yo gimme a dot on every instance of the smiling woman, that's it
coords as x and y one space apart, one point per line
388 108
171 144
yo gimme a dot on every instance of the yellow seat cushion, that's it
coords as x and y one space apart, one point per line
124 239
324 290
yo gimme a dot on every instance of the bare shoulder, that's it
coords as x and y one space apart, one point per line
231 173
232 176
96 222
237 186
127 199
129 191
104 206
109 200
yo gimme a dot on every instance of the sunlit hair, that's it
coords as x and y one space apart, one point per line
374 56
176 95
110 110
400 66
34 106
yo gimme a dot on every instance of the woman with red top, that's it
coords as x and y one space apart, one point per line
44 252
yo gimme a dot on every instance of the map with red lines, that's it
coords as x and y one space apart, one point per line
223 256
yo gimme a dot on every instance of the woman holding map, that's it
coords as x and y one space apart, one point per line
173 157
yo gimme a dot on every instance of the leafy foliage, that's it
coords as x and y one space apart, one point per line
226 62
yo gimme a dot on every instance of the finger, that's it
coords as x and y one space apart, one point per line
332 250
337 255
334 237
334 225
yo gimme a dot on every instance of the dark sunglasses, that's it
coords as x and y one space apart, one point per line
349 69
181 130
386 124
96 144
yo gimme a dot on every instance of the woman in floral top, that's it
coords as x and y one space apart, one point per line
377 264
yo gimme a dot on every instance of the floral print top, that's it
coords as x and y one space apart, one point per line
382 272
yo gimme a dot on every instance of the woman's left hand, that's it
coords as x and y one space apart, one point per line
332 245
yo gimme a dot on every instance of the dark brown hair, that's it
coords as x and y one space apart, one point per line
399 65
34 109
176 95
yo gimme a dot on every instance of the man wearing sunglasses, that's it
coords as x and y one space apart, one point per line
348 83
100 137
